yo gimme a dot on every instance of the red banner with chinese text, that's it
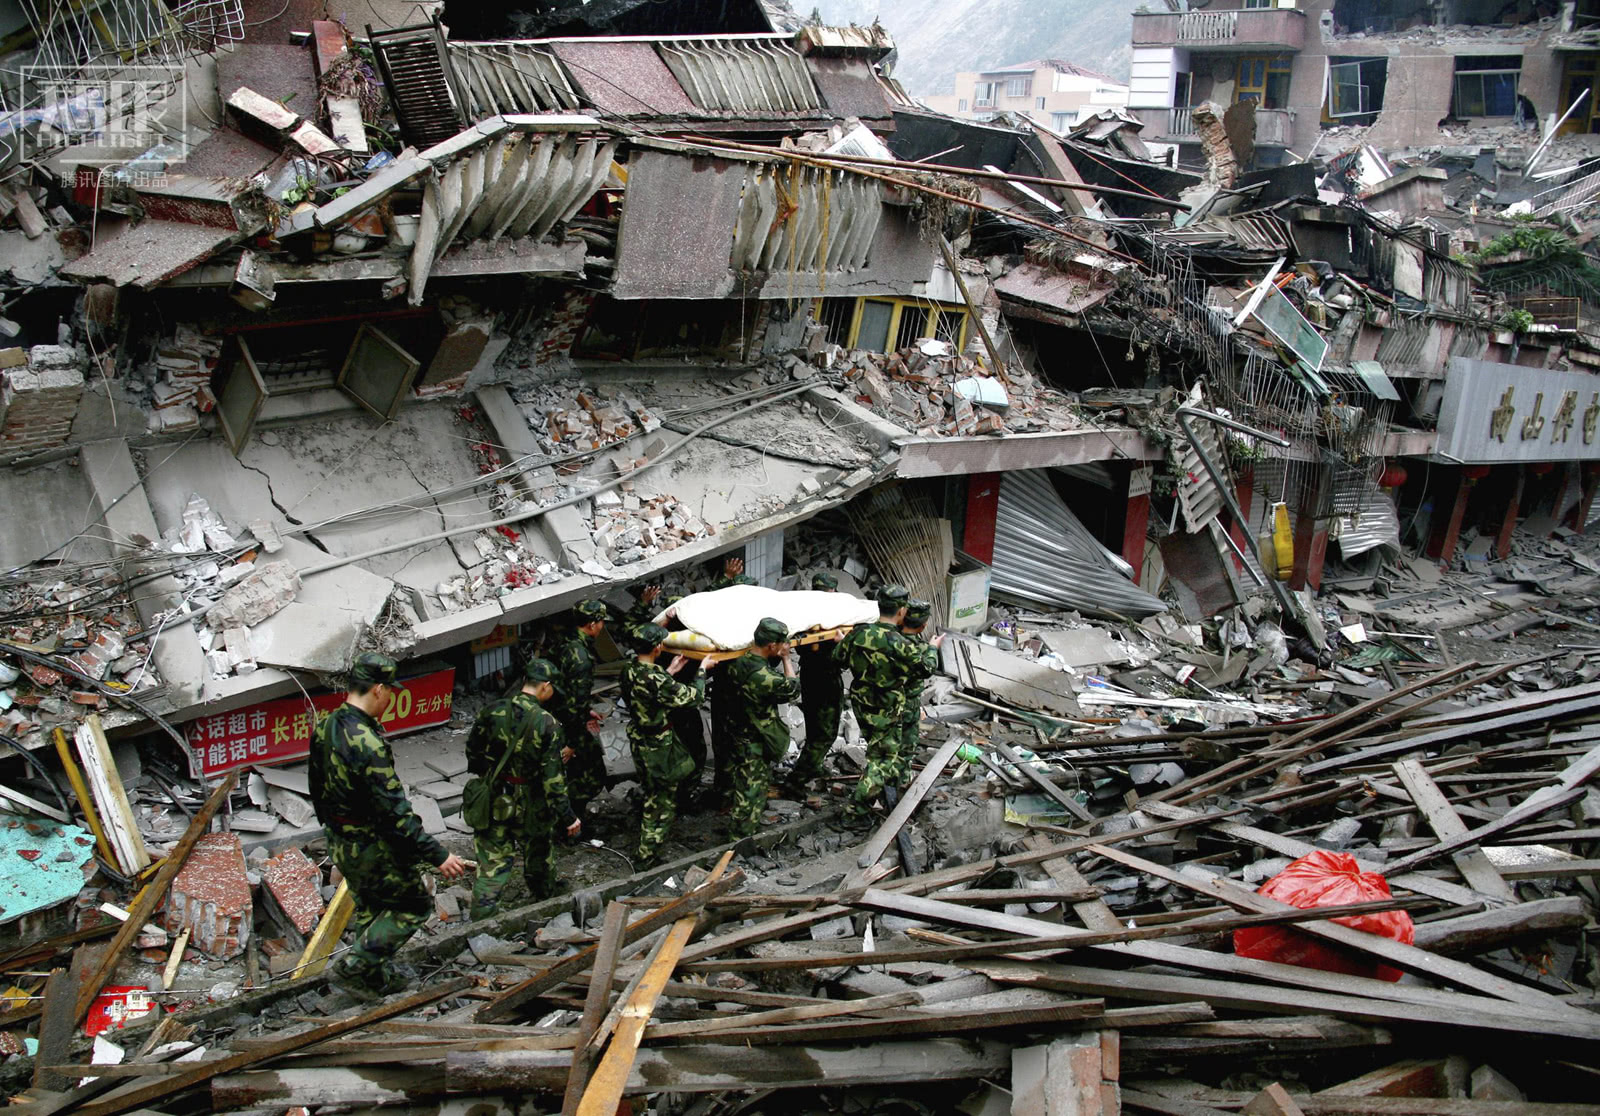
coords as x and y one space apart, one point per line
280 731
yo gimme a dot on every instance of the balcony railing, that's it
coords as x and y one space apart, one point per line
1181 122
1279 30
1207 27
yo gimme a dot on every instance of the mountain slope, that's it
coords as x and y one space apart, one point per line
937 38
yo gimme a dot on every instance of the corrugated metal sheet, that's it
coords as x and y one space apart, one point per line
1378 524
805 219
509 77
1043 553
1197 492
742 75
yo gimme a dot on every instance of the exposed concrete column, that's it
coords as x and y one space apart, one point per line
1446 528
1137 525
1508 524
1311 534
983 510
125 510
1244 491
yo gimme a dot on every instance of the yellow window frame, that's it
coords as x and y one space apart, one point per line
1246 83
936 310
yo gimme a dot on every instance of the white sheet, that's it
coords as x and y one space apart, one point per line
728 617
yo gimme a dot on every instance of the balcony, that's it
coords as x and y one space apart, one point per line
1274 127
1255 29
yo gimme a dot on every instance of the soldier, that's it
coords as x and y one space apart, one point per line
374 837
523 741
821 695
650 693
686 722
759 733
924 663
571 705
878 658
724 706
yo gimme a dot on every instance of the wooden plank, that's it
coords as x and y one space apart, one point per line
115 810
1570 788
85 798
1066 801
144 905
1274 1100
716 1069
1443 819
175 958
56 1032
1130 984
330 928
16 802
595 1004
1555 869
1392 952
691 1028
1485 930
611 1076
1289 846
156 1090
1086 1012
909 801
509 1001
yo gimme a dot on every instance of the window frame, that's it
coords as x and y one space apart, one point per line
1481 77
937 313
1257 88
984 94
1019 86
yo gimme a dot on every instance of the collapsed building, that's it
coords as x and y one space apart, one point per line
1211 425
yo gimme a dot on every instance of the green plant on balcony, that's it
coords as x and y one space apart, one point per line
1517 321
1529 258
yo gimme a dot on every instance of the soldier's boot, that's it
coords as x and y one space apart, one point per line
360 983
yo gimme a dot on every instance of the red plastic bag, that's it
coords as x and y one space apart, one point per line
1326 879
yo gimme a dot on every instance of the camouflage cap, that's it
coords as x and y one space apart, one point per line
825 581
745 579
893 597
373 669
647 636
540 670
771 631
589 611
918 612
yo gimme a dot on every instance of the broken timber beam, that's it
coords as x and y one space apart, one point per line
908 803
1431 803
595 1004
150 897
508 1002
611 1076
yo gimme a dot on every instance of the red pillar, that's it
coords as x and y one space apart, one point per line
1502 541
983 508
1243 491
1447 517
1134 531
1310 535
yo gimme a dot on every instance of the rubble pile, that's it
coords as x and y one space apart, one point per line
507 565
180 382
937 392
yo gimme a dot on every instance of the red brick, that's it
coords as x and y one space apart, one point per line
211 894
295 885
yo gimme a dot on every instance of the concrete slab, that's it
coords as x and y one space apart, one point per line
50 507
319 630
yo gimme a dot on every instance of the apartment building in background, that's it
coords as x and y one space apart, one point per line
1407 68
1049 91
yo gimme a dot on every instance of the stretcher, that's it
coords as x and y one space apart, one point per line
821 635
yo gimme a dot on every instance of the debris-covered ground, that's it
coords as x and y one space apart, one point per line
1080 891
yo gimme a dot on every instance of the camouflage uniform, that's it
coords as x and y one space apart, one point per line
724 705
374 837
533 800
574 682
686 722
759 733
878 657
650 694
924 663
821 696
